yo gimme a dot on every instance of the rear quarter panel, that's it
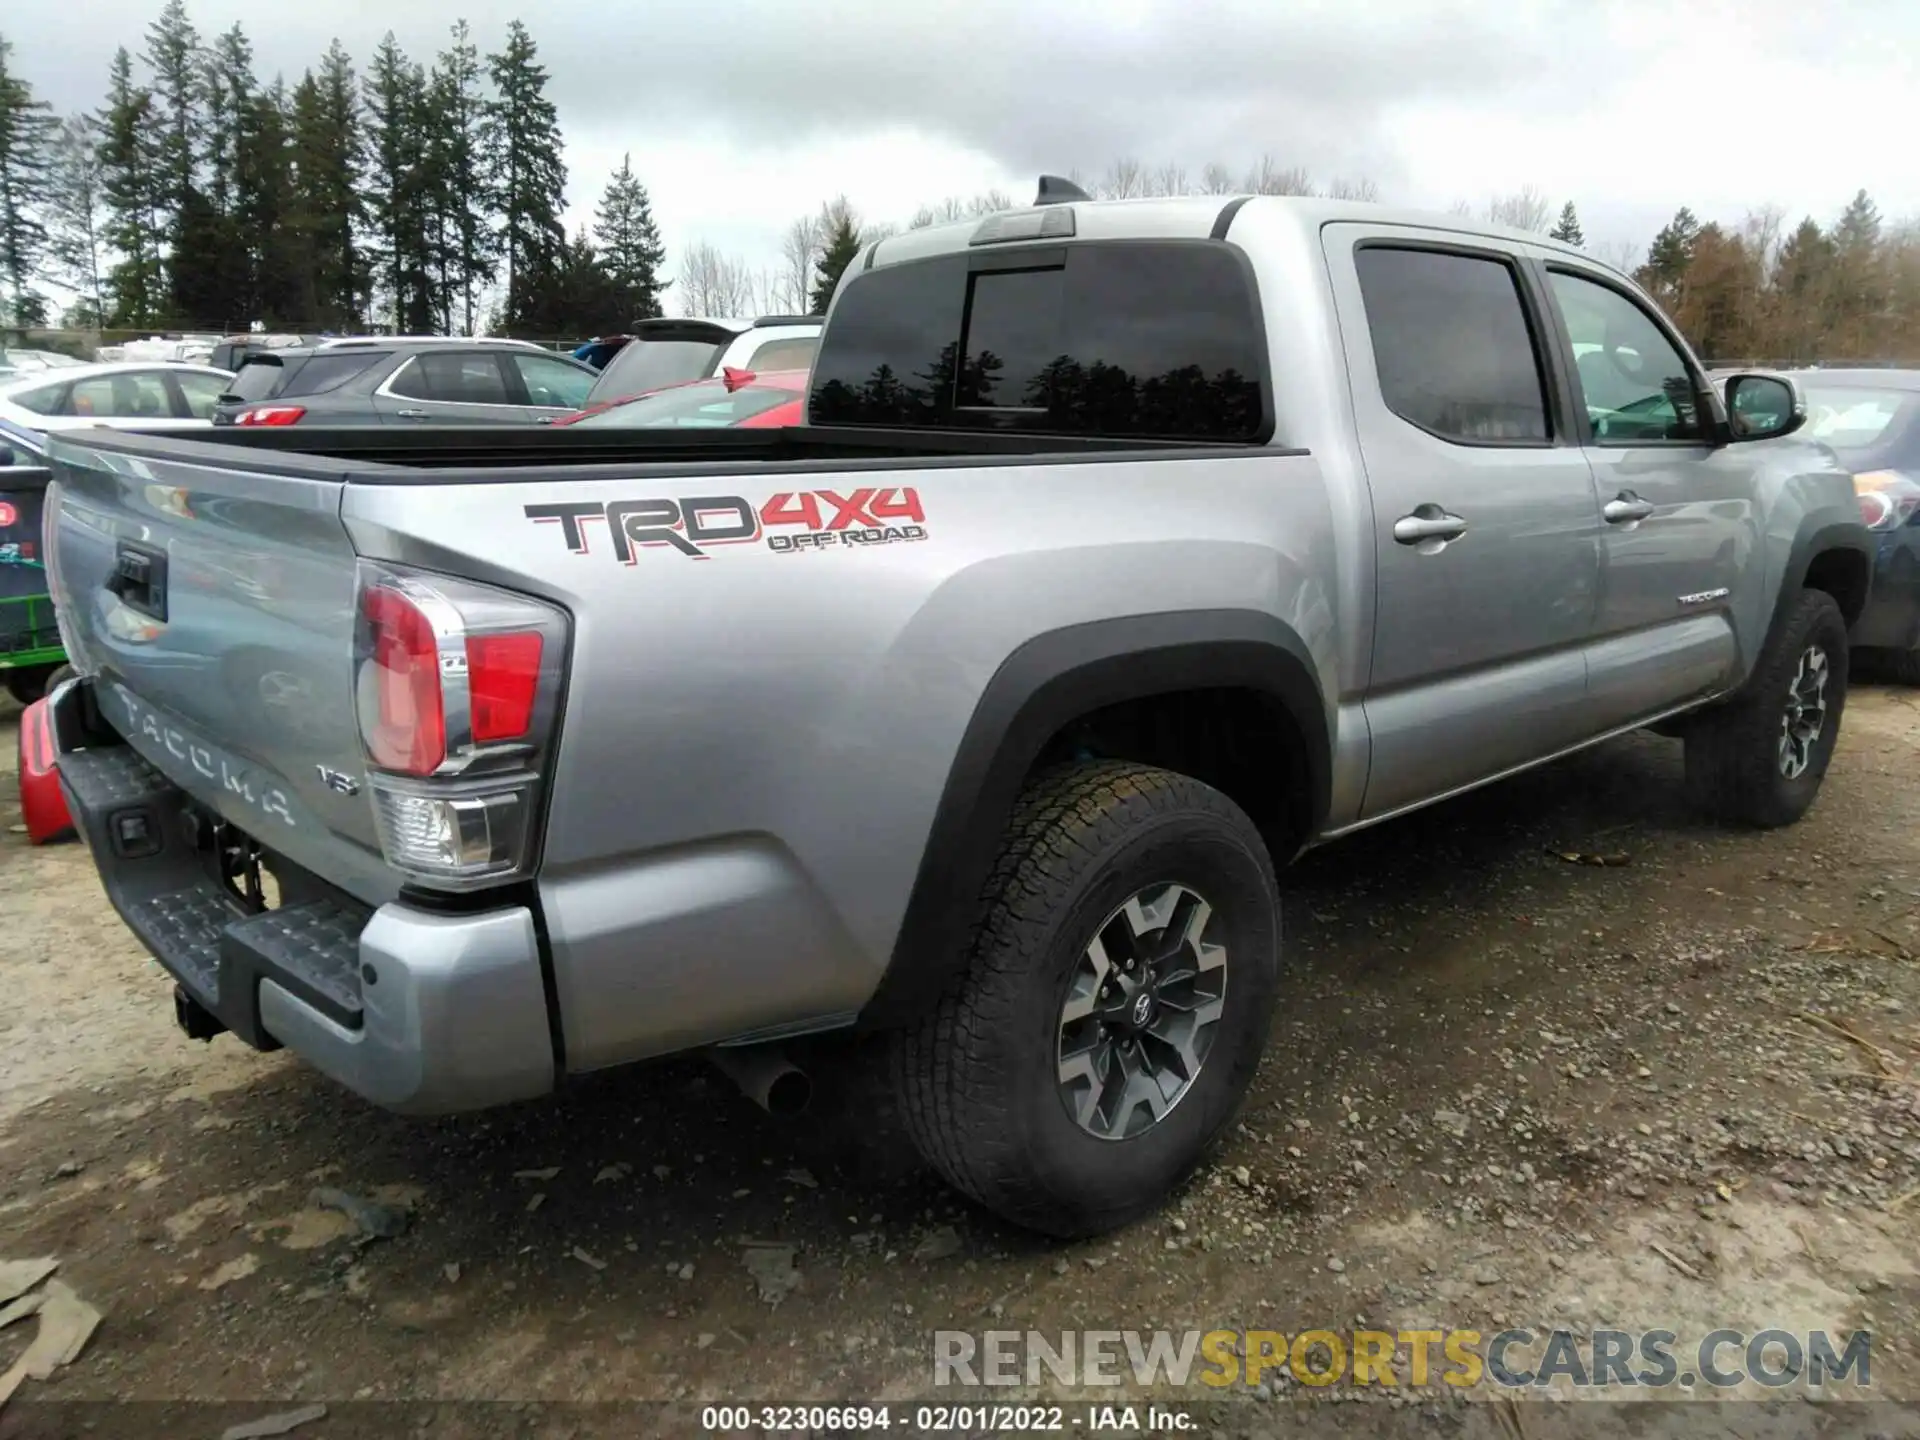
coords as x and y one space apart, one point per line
761 736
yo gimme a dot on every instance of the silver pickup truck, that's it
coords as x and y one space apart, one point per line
1129 549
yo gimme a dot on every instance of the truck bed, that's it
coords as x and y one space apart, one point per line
393 455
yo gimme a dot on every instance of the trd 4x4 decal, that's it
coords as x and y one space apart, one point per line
821 520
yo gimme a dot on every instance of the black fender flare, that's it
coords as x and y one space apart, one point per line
1043 686
1818 536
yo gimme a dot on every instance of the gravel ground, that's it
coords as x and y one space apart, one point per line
1506 1087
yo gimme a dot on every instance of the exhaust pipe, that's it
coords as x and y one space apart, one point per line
765 1076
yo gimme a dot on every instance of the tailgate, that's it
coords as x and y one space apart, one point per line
214 602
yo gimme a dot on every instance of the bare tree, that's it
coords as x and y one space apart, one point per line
715 284
1462 209
799 253
1760 232
1170 180
1362 189
1622 255
1216 179
1270 177
1525 209
992 202
1125 179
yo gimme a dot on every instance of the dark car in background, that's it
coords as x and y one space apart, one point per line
402 381
1871 418
670 352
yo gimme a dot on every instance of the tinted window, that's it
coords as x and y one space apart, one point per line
1632 380
1451 345
465 379
41 400
643 365
1147 340
201 392
697 406
137 395
553 382
258 379
784 354
318 374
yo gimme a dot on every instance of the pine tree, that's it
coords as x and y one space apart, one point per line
1567 228
228 86
464 240
173 54
277 254
583 299
327 202
631 252
76 218
130 189
528 175
1670 253
26 172
397 182
841 247
220 264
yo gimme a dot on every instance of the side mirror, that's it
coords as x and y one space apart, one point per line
1763 407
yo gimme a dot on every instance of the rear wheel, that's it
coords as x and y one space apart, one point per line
1112 1007
28 683
1759 759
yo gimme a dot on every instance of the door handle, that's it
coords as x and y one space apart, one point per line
545 419
1426 525
411 414
1626 508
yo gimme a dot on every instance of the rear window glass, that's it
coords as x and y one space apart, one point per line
643 365
794 354
691 407
1145 340
1851 419
258 379
322 373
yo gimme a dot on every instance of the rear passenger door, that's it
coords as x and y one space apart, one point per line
1680 526
450 387
1486 525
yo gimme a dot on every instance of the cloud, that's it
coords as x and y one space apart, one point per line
742 113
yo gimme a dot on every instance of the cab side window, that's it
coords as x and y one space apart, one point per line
1452 345
1635 385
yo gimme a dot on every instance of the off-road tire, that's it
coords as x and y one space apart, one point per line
1733 751
976 1078
30 682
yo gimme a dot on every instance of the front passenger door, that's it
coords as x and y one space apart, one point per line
1680 528
1486 530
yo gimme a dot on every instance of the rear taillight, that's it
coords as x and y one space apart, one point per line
457 690
1888 499
271 415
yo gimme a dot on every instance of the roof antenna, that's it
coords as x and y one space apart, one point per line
1056 191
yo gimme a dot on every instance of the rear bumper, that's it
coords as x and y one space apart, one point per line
419 1012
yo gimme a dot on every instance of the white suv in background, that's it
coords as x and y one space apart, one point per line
670 352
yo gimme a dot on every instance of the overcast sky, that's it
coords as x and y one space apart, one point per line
741 114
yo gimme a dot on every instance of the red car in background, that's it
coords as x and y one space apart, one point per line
738 399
